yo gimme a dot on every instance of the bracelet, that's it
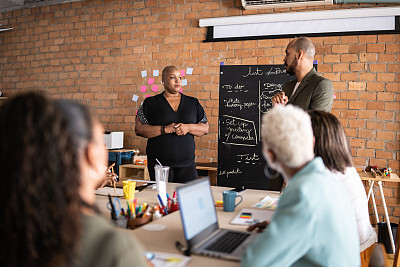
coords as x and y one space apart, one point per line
162 129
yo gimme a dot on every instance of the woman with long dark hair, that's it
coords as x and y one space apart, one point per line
332 145
51 158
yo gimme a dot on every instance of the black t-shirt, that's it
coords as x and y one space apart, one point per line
170 149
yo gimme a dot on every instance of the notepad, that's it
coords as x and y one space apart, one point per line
110 190
250 216
162 259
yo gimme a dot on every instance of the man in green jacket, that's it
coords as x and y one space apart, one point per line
310 90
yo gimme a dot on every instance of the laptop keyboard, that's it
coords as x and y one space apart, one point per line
227 242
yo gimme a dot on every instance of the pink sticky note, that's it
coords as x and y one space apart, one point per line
180 91
143 88
136 112
155 88
151 81
182 72
334 96
147 96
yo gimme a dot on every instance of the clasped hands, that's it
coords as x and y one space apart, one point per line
279 99
178 128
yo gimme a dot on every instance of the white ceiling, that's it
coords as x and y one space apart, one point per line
11 5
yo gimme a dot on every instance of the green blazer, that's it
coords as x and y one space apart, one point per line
314 92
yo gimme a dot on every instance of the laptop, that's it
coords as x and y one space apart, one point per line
200 224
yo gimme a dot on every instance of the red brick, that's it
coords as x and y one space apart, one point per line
359 86
362 152
357 104
384 154
378 48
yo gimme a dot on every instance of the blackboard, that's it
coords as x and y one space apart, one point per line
245 93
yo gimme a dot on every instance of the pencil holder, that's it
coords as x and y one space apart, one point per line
137 222
122 222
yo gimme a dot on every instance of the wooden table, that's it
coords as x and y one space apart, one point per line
164 241
366 176
133 171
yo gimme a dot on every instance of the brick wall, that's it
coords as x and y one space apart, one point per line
94 51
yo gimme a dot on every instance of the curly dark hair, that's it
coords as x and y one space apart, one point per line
40 218
331 143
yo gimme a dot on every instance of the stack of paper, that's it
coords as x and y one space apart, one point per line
267 203
161 259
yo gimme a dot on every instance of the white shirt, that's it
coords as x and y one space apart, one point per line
356 191
295 88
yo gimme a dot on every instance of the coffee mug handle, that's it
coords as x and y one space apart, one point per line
241 199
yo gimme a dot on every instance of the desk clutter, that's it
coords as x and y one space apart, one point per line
135 215
380 172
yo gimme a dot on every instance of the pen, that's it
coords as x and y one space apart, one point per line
115 190
162 204
113 212
128 210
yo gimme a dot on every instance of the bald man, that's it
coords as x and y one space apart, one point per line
310 90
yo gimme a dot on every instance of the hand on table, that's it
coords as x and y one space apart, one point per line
261 226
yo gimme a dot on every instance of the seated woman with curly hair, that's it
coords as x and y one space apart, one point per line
52 157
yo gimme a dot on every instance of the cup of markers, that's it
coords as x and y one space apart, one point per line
137 215
165 208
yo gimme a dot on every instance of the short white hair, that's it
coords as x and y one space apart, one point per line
287 131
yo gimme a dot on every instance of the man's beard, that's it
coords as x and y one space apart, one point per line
291 68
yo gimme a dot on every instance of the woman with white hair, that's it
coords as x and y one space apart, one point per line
314 224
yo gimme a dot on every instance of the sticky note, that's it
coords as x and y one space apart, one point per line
147 96
315 62
151 81
143 88
189 70
182 72
219 203
144 73
222 63
245 215
334 96
156 73
155 88
135 98
184 82
180 91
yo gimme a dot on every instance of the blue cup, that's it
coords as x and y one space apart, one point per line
229 198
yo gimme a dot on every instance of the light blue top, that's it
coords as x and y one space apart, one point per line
313 225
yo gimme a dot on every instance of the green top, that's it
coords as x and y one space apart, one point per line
105 245
314 92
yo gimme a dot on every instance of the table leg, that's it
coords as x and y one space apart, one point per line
387 216
371 192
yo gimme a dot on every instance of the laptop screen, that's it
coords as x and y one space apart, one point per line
196 205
